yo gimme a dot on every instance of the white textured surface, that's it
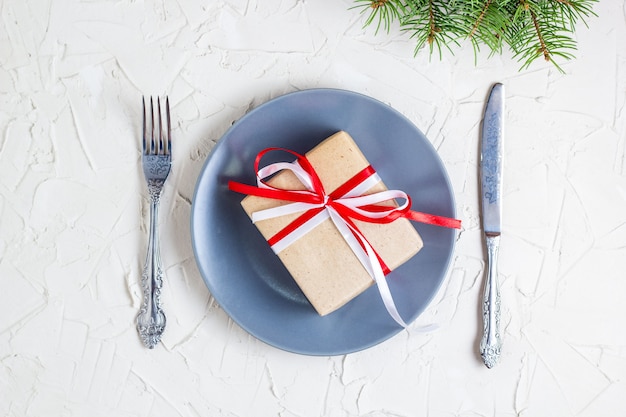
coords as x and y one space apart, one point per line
73 215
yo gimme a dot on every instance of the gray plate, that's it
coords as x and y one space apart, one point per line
249 281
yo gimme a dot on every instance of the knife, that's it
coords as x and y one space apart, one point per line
491 196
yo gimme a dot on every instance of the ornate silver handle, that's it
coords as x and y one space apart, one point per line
151 320
491 342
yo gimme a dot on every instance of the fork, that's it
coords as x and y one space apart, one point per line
156 161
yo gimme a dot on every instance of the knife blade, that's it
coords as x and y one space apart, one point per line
491 201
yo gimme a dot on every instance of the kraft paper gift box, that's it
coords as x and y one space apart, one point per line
321 262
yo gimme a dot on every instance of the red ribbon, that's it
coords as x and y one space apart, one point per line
317 195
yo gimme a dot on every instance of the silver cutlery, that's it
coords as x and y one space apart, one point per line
491 196
156 160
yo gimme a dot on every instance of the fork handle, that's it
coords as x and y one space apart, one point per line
491 343
151 319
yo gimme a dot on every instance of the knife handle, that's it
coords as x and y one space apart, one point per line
491 342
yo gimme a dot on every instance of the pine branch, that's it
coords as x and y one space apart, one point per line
541 30
432 23
532 29
540 37
480 18
384 12
488 22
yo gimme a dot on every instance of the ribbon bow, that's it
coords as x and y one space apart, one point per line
344 205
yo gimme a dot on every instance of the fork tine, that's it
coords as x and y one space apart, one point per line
143 130
168 149
152 135
159 145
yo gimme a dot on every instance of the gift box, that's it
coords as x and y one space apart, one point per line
321 261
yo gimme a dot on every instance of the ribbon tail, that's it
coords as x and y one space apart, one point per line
370 262
298 196
433 219
383 287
